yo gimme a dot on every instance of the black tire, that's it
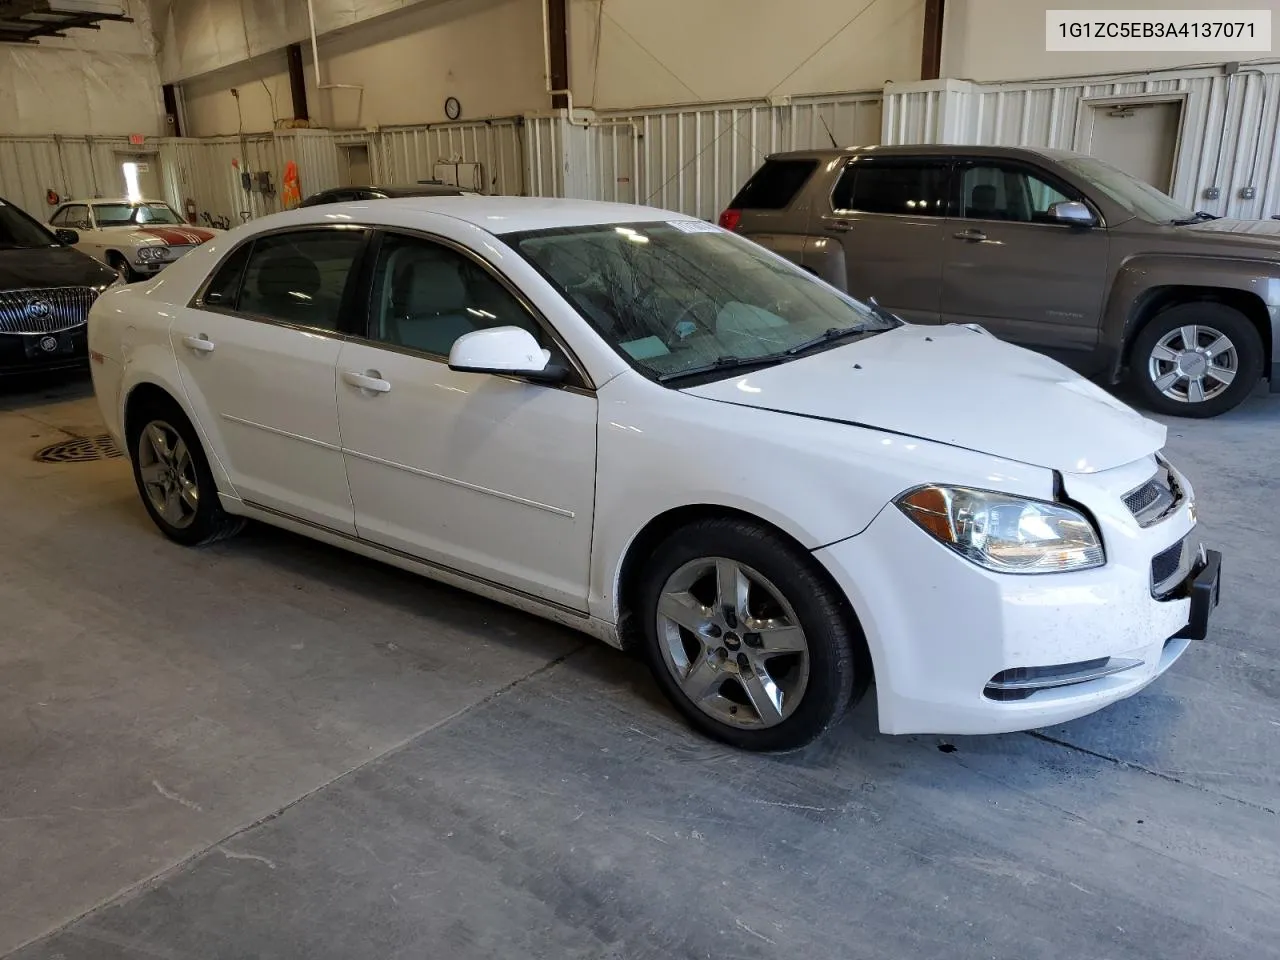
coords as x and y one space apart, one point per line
120 265
208 522
839 668
1210 316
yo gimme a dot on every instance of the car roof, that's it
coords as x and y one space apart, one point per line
925 150
99 200
497 215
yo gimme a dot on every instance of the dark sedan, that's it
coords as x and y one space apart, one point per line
46 289
348 194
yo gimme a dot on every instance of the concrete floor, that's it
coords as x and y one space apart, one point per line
270 748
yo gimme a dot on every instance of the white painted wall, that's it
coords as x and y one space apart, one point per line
486 53
636 53
94 82
988 40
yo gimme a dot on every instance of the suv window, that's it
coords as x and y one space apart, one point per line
300 277
774 185
990 191
426 296
911 187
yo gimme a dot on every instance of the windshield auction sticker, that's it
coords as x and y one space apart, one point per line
1209 31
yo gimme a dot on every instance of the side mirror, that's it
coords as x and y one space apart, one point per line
68 238
505 351
1072 212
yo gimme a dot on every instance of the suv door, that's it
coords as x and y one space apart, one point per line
1012 268
257 352
888 216
491 476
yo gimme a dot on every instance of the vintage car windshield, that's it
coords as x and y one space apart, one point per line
1139 198
18 231
127 214
684 296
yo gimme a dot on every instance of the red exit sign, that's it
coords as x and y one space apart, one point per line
137 139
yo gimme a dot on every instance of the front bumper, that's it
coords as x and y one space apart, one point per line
942 629
33 352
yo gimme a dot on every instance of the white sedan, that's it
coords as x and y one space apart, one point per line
136 238
648 429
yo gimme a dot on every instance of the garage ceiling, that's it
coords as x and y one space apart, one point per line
26 21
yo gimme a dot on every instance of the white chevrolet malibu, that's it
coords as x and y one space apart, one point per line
651 430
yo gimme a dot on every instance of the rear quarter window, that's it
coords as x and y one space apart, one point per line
774 185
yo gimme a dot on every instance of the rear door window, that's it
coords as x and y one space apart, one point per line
774 185
905 187
300 277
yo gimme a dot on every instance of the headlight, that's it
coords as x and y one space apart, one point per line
1005 533
153 253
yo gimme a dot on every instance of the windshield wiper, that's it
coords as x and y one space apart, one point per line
827 336
1200 216
724 363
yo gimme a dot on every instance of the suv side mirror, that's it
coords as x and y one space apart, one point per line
68 238
1072 212
505 351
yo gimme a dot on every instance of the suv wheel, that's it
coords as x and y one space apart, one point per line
1196 360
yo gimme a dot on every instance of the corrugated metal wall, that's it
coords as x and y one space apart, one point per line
1228 137
692 159
405 155
70 166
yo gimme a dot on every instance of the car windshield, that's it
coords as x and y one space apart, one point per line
18 231
1139 198
687 298
123 214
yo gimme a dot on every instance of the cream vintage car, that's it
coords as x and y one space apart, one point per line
137 238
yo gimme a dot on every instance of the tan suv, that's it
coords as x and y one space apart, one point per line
1056 251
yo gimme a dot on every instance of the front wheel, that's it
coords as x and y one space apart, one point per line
1196 360
121 266
747 638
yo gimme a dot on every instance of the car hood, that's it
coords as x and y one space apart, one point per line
1261 237
173 235
40 267
957 386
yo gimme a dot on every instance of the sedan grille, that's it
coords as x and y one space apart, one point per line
45 310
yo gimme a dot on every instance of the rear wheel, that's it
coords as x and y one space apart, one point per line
1197 360
173 477
747 638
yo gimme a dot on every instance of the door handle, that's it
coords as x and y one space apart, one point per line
973 236
200 344
371 381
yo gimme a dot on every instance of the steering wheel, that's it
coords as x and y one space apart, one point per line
679 328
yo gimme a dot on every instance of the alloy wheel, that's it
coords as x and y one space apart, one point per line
1193 363
732 643
168 474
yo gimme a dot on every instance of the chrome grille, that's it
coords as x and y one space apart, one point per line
50 310
1155 499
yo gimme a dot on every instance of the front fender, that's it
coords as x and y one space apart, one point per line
817 481
1141 277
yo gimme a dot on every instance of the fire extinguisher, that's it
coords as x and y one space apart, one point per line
52 198
191 211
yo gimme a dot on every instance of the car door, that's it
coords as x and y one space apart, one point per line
257 351
491 476
888 215
1010 267
75 216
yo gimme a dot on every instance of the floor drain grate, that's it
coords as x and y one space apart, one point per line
80 450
